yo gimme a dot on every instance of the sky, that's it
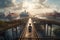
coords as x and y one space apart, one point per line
12 3
9 2
54 3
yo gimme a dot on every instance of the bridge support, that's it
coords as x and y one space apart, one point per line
12 34
14 30
48 29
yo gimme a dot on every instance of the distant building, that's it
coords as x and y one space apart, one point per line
12 16
57 15
2 15
24 14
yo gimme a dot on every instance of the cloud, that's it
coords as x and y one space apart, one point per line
6 3
43 1
40 1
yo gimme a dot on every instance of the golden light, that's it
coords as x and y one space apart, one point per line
35 7
28 5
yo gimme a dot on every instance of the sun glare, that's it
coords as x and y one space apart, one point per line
28 6
34 7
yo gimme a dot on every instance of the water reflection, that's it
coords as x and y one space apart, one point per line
11 34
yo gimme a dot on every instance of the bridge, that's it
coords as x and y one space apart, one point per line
13 23
42 29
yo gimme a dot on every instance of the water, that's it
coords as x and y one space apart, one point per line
11 35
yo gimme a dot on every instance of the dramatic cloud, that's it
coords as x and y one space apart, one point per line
6 3
30 5
39 7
